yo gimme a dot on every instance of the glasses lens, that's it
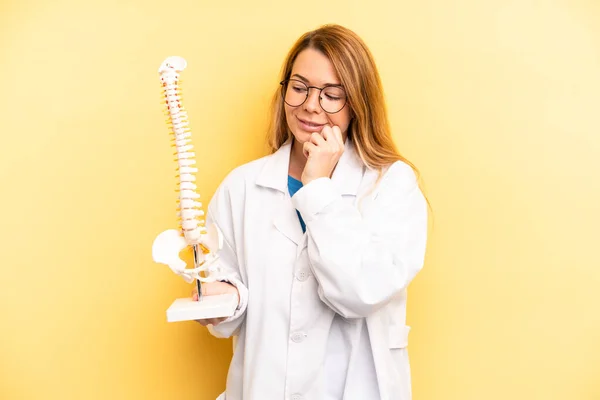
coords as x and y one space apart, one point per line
295 93
333 99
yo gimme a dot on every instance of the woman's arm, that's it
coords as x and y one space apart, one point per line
220 213
362 260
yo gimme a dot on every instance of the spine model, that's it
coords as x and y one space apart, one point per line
205 241
190 209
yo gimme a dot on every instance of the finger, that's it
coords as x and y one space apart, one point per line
317 138
207 321
307 148
337 133
333 136
327 133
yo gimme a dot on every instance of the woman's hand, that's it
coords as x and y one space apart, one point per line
212 289
323 151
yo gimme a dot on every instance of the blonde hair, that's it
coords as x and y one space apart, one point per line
354 64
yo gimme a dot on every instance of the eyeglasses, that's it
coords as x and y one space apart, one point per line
332 98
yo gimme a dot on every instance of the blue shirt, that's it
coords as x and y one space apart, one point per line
293 186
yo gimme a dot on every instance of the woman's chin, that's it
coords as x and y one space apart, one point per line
301 136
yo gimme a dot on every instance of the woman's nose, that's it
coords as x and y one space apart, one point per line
312 102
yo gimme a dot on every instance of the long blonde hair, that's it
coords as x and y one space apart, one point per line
354 64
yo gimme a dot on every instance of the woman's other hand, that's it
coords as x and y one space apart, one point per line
213 289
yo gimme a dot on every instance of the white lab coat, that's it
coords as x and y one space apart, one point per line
364 243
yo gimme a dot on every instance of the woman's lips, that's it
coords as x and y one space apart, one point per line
308 126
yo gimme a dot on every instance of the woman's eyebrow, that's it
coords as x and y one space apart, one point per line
307 82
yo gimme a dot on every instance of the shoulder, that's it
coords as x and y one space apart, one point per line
244 173
395 188
400 173
398 177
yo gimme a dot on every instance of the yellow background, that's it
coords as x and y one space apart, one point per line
497 102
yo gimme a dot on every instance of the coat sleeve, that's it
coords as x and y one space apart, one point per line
220 213
362 260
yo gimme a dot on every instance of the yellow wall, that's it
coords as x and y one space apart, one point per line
497 102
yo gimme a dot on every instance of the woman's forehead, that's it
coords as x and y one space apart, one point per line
315 68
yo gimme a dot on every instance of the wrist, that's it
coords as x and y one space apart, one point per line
233 289
308 179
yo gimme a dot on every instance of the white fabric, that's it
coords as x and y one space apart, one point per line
322 314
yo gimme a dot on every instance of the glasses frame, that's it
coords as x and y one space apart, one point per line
285 82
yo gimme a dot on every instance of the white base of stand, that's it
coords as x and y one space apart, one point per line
217 306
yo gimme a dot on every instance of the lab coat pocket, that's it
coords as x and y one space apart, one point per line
398 336
398 343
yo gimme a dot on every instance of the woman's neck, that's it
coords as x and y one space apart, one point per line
297 161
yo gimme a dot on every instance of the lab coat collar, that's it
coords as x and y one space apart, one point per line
346 177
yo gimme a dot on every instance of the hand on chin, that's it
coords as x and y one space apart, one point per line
323 150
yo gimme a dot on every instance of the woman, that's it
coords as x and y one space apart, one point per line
322 238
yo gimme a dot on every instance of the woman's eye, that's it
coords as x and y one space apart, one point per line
299 88
332 97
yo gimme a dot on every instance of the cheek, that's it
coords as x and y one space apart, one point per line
341 119
289 116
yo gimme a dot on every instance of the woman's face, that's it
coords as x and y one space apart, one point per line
313 68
